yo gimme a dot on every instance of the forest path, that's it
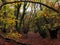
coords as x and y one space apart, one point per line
32 39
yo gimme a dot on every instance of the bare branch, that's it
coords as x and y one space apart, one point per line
29 2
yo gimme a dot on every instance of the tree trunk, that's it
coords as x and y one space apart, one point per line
16 13
53 34
41 32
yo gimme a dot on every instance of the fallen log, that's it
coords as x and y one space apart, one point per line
11 40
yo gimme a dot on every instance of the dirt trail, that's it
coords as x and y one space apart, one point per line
33 39
36 39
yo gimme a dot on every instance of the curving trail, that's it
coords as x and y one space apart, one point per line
32 39
36 39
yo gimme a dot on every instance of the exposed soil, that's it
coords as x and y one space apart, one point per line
32 39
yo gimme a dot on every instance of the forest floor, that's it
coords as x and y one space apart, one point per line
32 39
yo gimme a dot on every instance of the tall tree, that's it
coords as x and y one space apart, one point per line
22 17
16 13
4 29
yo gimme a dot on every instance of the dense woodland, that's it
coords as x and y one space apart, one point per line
18 17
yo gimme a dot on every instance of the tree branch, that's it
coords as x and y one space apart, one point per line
9 40
3 1
29 2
